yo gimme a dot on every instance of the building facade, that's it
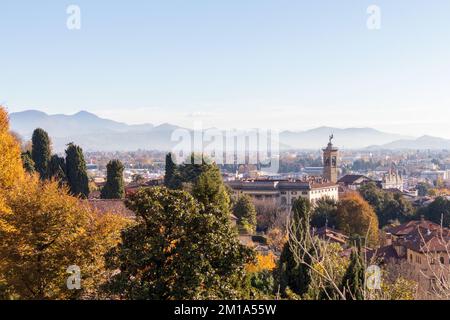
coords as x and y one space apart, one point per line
392 180
425 248
283 193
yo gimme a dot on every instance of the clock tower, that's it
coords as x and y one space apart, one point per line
330 162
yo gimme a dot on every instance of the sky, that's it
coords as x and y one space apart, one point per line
281 64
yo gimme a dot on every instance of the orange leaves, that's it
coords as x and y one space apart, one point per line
43 231
4 120
11 169
263 262
171 246
356 217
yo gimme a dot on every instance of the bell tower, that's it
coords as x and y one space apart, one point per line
330 162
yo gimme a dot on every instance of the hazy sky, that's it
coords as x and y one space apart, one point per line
284 64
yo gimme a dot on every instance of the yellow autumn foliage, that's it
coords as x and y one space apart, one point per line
45 231
263 262
355 216
11 169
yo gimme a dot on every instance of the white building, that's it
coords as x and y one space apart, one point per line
392 180
283 193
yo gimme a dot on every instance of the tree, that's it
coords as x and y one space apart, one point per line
27 161
423 189
373 195
41 152
178 249
170 177
245 211
261 276
114 187
328 268
208 188
57 169
324 213
295 273
43 231
396 208
389 206
356 217
11 169
77 178
353 281
438 212
267 214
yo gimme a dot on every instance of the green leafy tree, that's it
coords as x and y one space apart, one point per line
373 195
295 273
389 206
27 161
191 170
438 212
245 211
354 278
263 284
57 168
209 189
77 177
171 177
324 213
423 189
396 208
41 152
178 249
114 187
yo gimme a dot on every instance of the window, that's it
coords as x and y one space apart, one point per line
442 260
418 260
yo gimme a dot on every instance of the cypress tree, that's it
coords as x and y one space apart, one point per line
296 274
77 178
354 278
114 187
27 161
171 173
245 211
209 189
57 168
41 152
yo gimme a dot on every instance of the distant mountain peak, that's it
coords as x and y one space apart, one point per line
97 134
31 113
85 114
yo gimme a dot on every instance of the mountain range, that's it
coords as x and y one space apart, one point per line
93 133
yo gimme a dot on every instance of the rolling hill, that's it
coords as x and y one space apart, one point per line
97 134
